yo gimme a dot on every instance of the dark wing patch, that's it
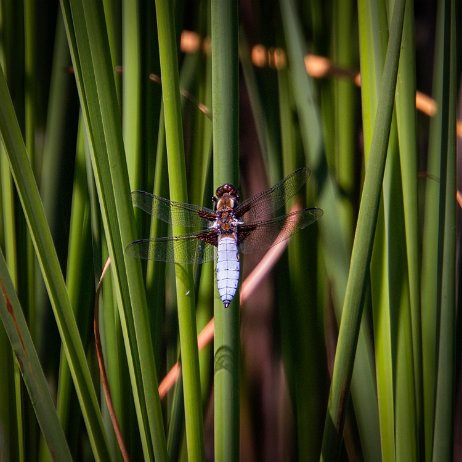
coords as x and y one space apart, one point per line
210 237
190 248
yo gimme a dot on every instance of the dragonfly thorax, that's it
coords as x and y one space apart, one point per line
226 200
226 222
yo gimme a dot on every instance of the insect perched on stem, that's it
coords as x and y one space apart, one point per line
232 226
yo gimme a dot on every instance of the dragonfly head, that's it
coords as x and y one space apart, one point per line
226 196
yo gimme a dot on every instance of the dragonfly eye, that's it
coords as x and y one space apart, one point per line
227 189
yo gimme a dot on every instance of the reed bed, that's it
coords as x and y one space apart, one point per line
345 346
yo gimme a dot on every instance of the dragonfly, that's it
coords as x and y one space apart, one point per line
232 227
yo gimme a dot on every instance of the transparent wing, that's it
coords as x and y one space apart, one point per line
259 236
184 214
190 248
265 204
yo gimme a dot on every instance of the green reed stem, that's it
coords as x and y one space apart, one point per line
224 18
87 37
54 280
445 402
178 192
363 243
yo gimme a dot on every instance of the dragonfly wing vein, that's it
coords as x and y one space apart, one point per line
266 203
189 248
181 213
258 236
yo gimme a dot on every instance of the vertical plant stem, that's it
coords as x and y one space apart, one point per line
78 279
224 22
54 280
87 37
10 392
132 89
433 228
406 125
445 380
335 247
30 120
10 387
178 192
345 105
56 160
362 247
408 372
373 34
14 322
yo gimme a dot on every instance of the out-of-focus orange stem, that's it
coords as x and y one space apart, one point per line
316 66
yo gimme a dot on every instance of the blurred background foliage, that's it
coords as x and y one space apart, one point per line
81 95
